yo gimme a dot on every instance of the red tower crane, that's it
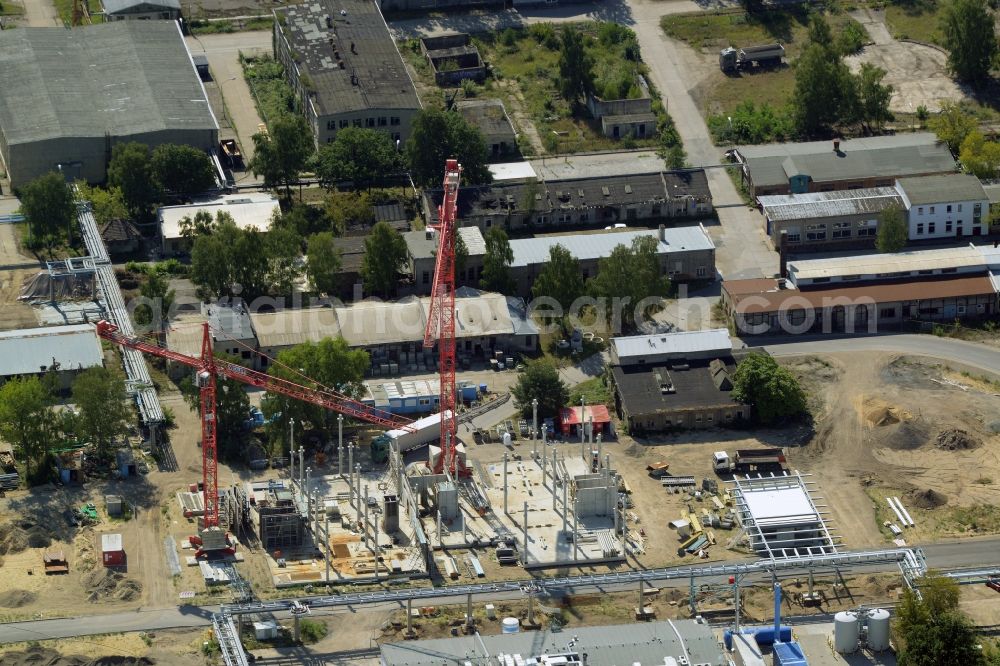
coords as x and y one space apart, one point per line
441 322
208 368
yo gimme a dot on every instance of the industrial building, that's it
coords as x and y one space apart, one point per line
141 10
622 118
453 58
490 117
686 253
867 292
344 67
249 209
943 206
275 519
643 644
405 397
851 164
675 380
70 96
580 202
62 350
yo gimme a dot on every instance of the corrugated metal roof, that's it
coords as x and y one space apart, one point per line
111 543
943 189
646 644
29 351
115 6
119 78
811 205
992 192
684 342
528 251
421 247
285 328
874 264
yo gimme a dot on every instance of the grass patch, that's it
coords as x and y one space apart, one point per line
525 69
65 10
919 20
9 8
205 27
595 391
266 78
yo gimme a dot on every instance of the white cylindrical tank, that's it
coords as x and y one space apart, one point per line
878 630
846 632
510 625
506 439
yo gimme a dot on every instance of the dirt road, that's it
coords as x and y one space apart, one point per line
41 14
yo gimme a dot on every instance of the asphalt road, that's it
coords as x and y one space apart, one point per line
971 354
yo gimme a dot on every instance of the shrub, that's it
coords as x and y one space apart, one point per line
508 37
545 34
851 39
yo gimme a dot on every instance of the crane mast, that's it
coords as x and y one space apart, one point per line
441 322
208 368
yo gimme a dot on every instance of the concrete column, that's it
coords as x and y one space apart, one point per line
326 539
291 449
308 493
340 443
576 534
364 538
554 495
524 551
409 617
534 445
505 483
545 436
377 552
295 629
583 415
545 461
600 447
468 611
357 488
642 605
565 510
736 602
534 418
350 473
440 545
302 466
553 469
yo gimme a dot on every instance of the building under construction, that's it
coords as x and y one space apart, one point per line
275 519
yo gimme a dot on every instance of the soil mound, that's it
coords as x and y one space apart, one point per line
927 499
39 656
955 439
880 413
106 584
907 435
24 534
16 598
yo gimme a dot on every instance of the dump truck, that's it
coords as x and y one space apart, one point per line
766 55
749 460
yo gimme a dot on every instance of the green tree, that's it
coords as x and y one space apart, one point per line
245 262
48 206
576 66
323 263
283 248
930 629
540 381
201 224
232 408
819 31
560 278
304 219
437 135
106 204
279 156
131 170
357 154
208 269
873 96
385 256
980 157
159 299
461 256
329 363
970 37
496 262
825 91
892 233
952 125
633 275
24 413
346 209
773 391
99 395
182 169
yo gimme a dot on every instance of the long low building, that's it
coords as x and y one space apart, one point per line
62 350
392 332
70 96
686 253
866 293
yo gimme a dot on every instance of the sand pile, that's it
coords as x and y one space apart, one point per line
16 598
23 534
927 499
907 435
880 413
955 439
39 656
102 584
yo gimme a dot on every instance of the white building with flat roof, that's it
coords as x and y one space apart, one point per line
252 209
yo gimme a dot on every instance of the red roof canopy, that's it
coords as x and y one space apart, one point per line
571 415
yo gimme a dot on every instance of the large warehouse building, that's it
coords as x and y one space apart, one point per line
69 96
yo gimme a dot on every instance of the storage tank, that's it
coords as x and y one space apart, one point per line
845 632
510 625
878 630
